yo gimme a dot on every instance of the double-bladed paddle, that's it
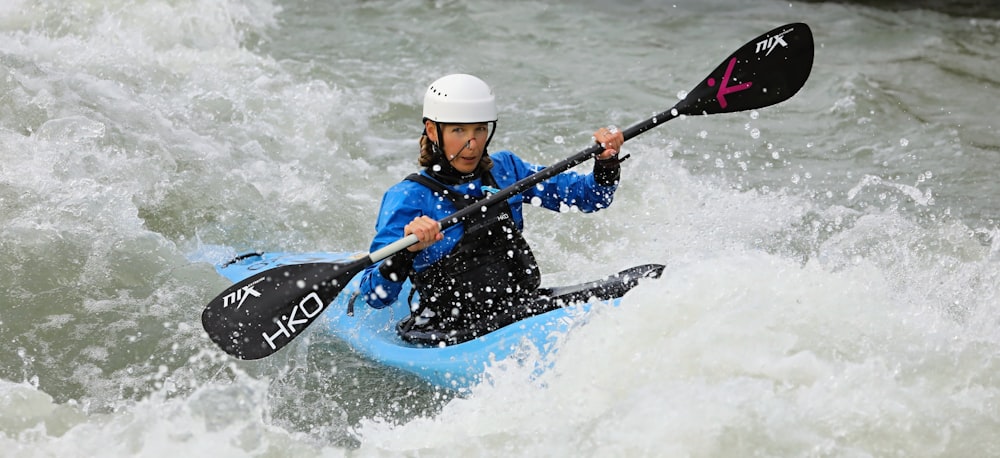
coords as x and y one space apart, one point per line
261 314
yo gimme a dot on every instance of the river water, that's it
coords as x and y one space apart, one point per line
833 262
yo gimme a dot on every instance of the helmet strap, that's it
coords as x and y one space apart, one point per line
493 130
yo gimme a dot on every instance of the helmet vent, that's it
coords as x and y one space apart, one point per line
473 102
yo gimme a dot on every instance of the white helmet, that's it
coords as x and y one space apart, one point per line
458 99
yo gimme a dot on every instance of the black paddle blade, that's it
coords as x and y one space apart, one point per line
258 316
767 70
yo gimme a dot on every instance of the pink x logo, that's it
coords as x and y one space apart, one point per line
723 88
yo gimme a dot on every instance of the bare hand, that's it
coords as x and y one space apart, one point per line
611 139
427 231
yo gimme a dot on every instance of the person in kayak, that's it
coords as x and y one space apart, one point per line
479 275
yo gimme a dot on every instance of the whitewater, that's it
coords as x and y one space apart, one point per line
832 262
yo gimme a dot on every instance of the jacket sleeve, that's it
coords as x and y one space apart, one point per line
394 214
565 190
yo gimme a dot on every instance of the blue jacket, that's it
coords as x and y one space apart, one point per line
407 200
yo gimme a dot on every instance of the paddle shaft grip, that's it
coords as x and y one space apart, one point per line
393 248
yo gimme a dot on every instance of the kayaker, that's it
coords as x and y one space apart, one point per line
479 275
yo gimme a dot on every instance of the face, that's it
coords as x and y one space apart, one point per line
463 143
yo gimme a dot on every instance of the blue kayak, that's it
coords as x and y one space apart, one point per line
372 332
